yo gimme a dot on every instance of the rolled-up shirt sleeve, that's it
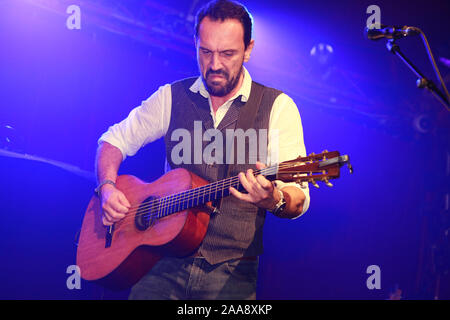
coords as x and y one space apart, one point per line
144 124
286 140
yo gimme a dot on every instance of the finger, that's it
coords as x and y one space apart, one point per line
260 165
254 185
250 176
117 216
124 201
264 183
111 214
106 222
119 208
107 217
260 184
244 182
240 195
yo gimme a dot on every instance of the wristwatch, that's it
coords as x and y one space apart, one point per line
279 207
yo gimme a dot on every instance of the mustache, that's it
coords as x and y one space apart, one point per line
217 72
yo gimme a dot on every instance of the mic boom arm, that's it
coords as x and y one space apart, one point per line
394 33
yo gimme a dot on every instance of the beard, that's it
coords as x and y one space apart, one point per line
220 90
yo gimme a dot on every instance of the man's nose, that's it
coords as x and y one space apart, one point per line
215 63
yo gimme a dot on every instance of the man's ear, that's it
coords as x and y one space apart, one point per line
248 51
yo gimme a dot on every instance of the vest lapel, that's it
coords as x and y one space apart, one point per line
232 114
203 110
201 106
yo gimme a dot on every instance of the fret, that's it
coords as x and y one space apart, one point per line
215 190
208 193
196 201
160 207
171 207
177 205
166 202
182 202
168 205
182 205
190 202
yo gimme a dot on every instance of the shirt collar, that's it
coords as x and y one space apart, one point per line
244 91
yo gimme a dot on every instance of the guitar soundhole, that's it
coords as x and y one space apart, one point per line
147 214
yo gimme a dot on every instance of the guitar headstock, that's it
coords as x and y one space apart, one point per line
315 167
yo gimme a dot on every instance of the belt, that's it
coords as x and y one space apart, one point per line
198 254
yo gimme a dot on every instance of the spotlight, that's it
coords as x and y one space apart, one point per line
322 53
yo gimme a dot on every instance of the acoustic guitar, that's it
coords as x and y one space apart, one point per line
170 216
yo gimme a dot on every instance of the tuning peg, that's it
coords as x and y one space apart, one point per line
327 182
350 168
314 183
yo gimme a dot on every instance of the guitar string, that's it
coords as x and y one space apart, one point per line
129 219
186 196
196 193
182 193
169 202
229 181
125 223
209 187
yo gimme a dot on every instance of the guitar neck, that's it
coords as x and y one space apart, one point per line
315 167
207 193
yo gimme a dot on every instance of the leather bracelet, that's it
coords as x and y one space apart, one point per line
99 187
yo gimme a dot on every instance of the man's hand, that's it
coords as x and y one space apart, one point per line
114 204
261 191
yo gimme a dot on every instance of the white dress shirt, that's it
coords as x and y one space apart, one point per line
150 121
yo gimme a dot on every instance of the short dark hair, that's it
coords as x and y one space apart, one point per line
226 9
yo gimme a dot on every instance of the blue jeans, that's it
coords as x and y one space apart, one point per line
194 278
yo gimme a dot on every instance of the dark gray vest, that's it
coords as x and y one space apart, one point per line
237 230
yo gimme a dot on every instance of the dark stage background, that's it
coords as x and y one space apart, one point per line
61 88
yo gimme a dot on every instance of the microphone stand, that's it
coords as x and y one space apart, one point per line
423 82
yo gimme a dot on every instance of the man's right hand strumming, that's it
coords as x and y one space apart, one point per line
114 204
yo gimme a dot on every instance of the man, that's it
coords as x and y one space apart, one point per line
223 97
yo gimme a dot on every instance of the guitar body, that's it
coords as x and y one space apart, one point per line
168 218
117 260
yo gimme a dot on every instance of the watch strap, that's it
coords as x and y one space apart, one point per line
279 207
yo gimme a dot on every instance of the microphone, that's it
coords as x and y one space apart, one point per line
390 32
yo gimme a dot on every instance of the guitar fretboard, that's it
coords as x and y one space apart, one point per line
194 197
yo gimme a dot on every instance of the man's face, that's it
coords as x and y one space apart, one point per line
220 54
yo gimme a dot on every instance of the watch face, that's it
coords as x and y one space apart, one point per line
280 208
